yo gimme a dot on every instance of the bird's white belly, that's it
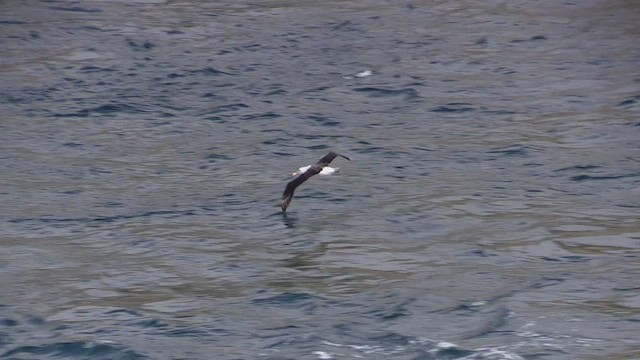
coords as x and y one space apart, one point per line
327 171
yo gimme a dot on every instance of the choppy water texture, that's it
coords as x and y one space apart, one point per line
490 210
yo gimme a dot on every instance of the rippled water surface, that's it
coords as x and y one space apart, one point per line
490 210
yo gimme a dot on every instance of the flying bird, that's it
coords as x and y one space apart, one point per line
305 172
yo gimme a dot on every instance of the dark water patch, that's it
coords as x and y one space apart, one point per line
232 199
579 178
72 192
113 204
227 108
285 328
99 171
75 9
630 288
95 69
393 312
453 107
263 116
74 81
482 253
316 89
454 353
504 71
323 121
91 28
8 322
567 258
346 26
252 47
27 96
285 154
276 92
286 299
420 148
175 75
465 308
123 311
381 151
317 147
216 119
146 45
320 137
415 83
513 150
577 167
547 281
103 110
13 22
104 219
630 102
533 38
151 324
77 349
408 93
162 114
415 44
288 220
190 333
392 338
499 112
481 41
209 71
634 206
217 157
277 141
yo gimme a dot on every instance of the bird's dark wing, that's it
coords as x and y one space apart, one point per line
293 184
327 159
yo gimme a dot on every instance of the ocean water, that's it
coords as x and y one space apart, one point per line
490 210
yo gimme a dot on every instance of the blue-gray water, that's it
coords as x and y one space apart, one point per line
490 210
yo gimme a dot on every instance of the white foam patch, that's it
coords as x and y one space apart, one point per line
322 355
434 347
361 74
364 73
446 345
492 354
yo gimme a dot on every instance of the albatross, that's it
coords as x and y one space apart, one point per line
321 167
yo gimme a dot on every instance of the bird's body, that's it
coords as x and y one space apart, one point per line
305 172
327 170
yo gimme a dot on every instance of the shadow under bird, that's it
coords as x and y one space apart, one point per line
305 172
